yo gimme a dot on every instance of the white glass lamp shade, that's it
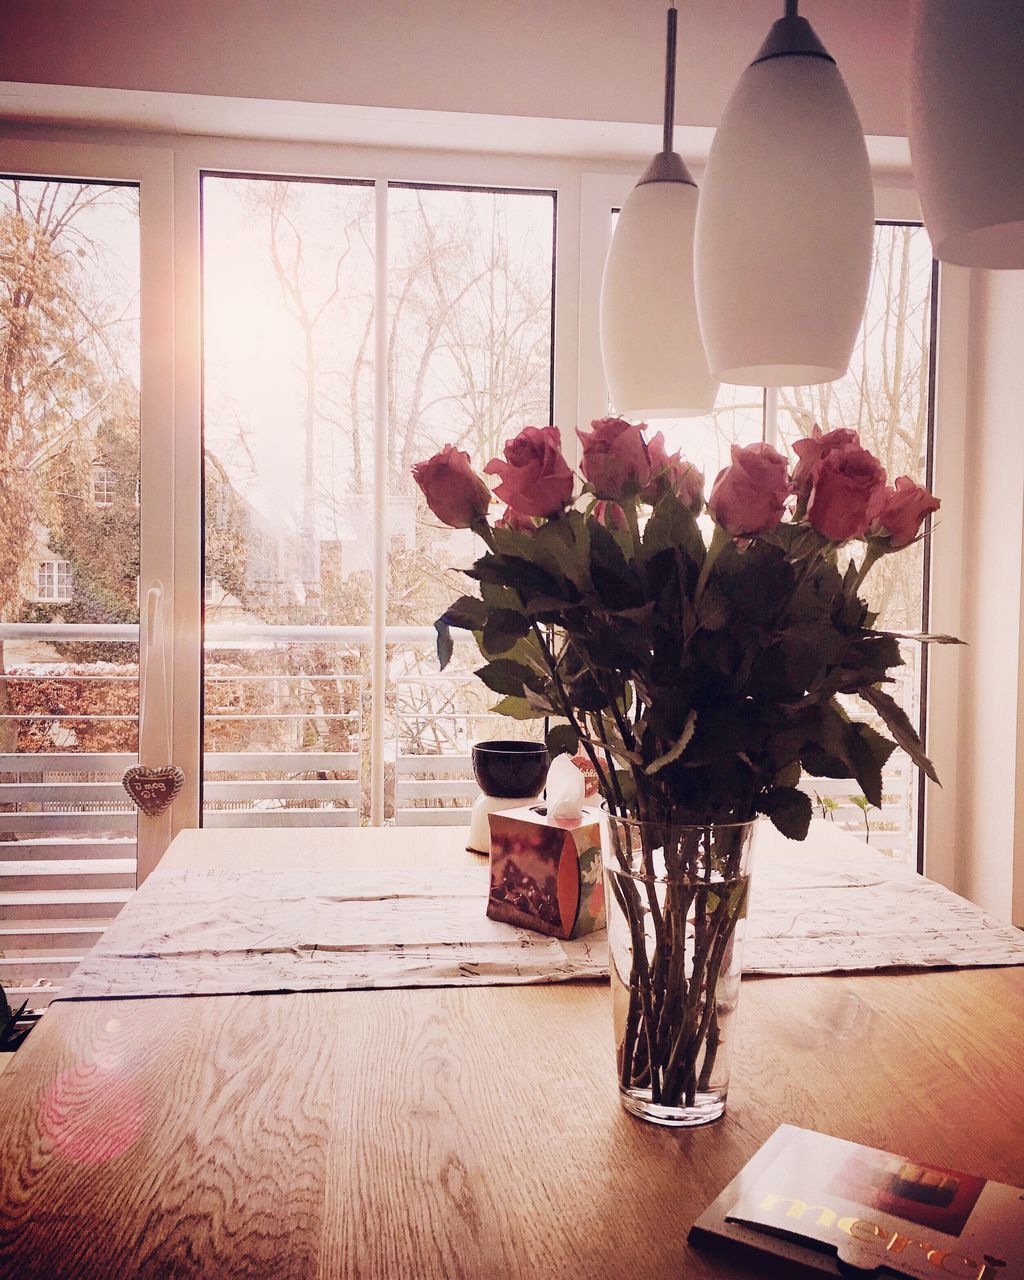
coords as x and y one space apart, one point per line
653 356
967 128
785 227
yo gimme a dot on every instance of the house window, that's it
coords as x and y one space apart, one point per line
295 424
885 396
104 482
53 581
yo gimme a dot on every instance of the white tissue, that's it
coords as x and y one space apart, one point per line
566 788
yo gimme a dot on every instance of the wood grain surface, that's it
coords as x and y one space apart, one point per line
458 1132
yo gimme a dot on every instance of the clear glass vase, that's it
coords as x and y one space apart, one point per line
676 903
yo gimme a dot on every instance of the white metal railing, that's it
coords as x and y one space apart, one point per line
67 830
67 827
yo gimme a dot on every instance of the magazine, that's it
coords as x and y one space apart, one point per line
834 1208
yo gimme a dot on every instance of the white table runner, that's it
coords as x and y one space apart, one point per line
207 932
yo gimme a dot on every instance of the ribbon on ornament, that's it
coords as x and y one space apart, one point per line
152 789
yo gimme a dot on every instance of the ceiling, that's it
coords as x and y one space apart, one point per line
564 60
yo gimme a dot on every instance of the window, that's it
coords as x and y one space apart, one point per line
104 482
53 581
886 396
296 433
69 338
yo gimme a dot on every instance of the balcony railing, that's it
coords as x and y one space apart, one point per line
284 747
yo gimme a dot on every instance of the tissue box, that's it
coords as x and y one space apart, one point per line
546 873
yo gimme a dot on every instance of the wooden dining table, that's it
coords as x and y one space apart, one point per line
455 1131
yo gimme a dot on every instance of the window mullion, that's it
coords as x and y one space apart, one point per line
771 416
378 658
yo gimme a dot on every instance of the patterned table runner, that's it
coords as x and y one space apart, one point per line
208 932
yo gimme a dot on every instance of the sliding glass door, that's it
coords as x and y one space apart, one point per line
350 329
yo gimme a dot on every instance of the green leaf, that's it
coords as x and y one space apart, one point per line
673 527
924 637
445 644
677 748
585 694
562 738
469 613
501 631
615 581
517 709
868 752
542 703
513 571
498 597
712 609
898 724
790 811
789 776
819 764
505 676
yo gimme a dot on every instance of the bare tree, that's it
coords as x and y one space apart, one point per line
65 343
884 396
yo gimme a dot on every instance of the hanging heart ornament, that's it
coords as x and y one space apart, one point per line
153 790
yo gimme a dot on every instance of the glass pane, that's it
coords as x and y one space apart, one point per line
470 332
288 330
69 564
884 396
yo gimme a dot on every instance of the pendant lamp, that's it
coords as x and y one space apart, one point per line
967 128
654 359
786 221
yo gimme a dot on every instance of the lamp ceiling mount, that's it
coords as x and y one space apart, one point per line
668 165
792 36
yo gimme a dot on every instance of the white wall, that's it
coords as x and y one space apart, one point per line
565 59
989 809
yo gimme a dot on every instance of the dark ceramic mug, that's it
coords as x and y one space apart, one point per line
514 770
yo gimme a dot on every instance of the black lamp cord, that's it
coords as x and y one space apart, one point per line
670 82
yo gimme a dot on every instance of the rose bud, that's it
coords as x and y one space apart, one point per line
610 514
615 459
671 473
453 490
848 492
535 478
513 520
903 512
749 496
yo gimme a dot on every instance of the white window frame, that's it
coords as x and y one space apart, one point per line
152 169
104 485
194 157
50 574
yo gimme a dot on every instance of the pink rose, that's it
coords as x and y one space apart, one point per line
513 520
610 514
671 473
904 511
453 490
535 478
816 446
848 492
615 458
749 496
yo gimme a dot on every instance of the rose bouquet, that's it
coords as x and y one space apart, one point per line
702 664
